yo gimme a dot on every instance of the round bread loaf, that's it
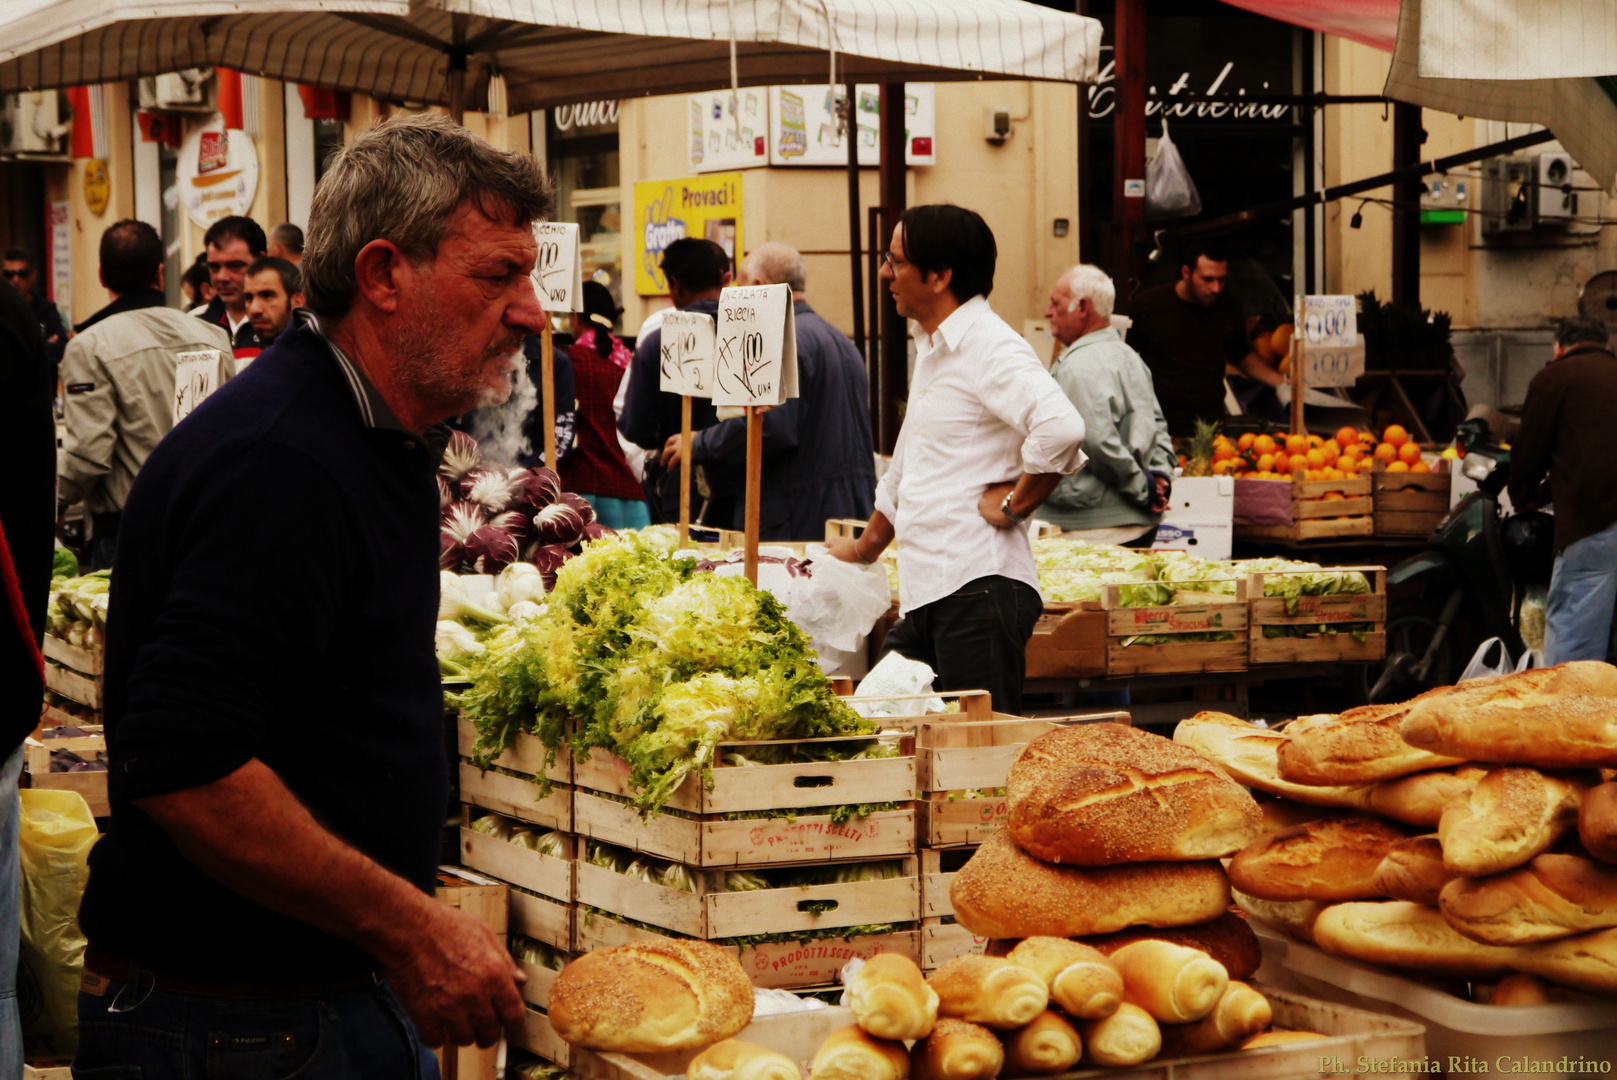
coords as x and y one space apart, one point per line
1323 860
1103 794
1413 870
1561 717
1002 892
651 996
1229 939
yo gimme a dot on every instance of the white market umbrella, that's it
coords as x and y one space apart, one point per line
550 52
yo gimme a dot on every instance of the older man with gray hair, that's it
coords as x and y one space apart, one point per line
818 453
1120 496
262 903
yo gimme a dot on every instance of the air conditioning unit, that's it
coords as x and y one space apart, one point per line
188 90
31 125
1508 186
1555 199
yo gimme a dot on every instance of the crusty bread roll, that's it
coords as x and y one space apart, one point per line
1512 815
1127 1037
1413 870
1173 983
1281 1038
956 1050
1553 896
1421 799
852 1054
1048 1045
1361 746
1597 821
1281 813
1517 989
1561 717
1228 939
1241 1013
1103 794
989 991
650 996
1585 962
1002 892
1323 860
1250 754
890 998
1082 980
736 1060
1294 918
1404 935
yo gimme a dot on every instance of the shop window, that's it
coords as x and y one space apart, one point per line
583 157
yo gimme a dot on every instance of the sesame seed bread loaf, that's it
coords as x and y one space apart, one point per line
1361 746
1322 860
1512 815
1562 717
651 996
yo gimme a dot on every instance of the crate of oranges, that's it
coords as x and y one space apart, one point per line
1411 490
1329 477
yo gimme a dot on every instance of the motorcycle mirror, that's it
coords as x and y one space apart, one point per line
1478 466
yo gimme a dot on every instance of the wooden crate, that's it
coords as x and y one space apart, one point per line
517 798
526 755
47 1070
536 991
541 918
1068 642
86 660
711 913
543 874
798 1035
486 900
943 939
1313 517
1217 614
1409 504
538 1037
92 785
1368 607
73 685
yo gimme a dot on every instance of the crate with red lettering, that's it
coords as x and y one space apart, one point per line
1166 627
1296 628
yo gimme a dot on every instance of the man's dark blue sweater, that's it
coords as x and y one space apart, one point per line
274 598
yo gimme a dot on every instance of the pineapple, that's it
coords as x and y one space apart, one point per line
1199 451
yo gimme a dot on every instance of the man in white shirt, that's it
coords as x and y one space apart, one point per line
987 436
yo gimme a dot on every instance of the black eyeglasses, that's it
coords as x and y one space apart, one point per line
893 264
11 275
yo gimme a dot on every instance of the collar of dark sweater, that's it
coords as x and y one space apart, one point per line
1588 347
134 301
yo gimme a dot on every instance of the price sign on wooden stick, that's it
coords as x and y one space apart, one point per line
1326 349
196 375
687 370
558 278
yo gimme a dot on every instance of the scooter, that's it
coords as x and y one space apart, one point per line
1464 588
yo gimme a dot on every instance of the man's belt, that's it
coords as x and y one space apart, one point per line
102 966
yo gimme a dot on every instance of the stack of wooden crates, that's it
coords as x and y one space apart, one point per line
74 673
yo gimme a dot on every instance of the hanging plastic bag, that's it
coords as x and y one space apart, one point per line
57 832
1169 190
1531 658
1491 658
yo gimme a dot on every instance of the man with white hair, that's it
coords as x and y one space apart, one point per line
818 452
1120 497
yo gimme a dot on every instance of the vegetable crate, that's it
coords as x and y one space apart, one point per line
1317 617
509 786
545 876
91 784
1068 642
1185 625
74 672
1409 504
539 1037
757 814
943 939
485 900
1322 510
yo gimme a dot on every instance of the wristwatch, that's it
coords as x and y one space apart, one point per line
1005 508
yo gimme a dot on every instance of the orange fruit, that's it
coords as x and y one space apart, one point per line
1366 464
1398 466
1346 436
1223 452
1221 467
1409 453
1420 466
1316 459
1266 462
1387 452
1450 454
1335 474
1264 444
1396 435
1245 441
1334 496
1280 340
1282 461
1296 444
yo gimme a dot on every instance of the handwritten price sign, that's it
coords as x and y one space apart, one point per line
1333 354
687 354
196 375
558 274
757 346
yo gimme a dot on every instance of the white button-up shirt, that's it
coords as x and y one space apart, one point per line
982 410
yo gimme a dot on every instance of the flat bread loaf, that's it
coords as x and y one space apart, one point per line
1322 860
1104 794
1003 892
1421 799
1585 962
1294 918
1250 754
1361 746
651 996
1554 896
1413 936
1562 717
1512 815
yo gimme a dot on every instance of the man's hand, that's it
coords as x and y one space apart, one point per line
845 548
670 457
989 506
1256 367
1160 487
457 984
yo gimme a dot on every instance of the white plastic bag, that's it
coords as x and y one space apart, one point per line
896 676
1169 190
839 602
1531 658
1482 667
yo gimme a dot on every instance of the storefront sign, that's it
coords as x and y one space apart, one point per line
558 272
756 362
687 354
585 118
97 190
218 173
668 210
797 125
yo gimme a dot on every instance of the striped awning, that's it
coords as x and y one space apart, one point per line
550 52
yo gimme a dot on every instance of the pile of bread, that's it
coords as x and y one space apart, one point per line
1469 834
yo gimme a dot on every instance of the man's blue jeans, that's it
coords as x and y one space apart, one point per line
130 1033
1583 599
10 912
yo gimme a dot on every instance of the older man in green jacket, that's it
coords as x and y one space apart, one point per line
1120 496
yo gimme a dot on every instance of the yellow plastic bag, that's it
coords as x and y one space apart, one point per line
57 833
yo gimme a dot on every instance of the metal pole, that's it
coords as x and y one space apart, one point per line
1406 193
855 252
894 331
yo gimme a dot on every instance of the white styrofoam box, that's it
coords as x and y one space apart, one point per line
1207 541
1207 500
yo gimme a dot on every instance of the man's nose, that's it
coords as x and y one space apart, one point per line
525 311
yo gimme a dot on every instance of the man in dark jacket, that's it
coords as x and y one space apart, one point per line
27 521
21 272
1563 443
819 458
696 271
232 245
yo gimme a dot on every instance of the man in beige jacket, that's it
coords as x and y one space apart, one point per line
118 376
